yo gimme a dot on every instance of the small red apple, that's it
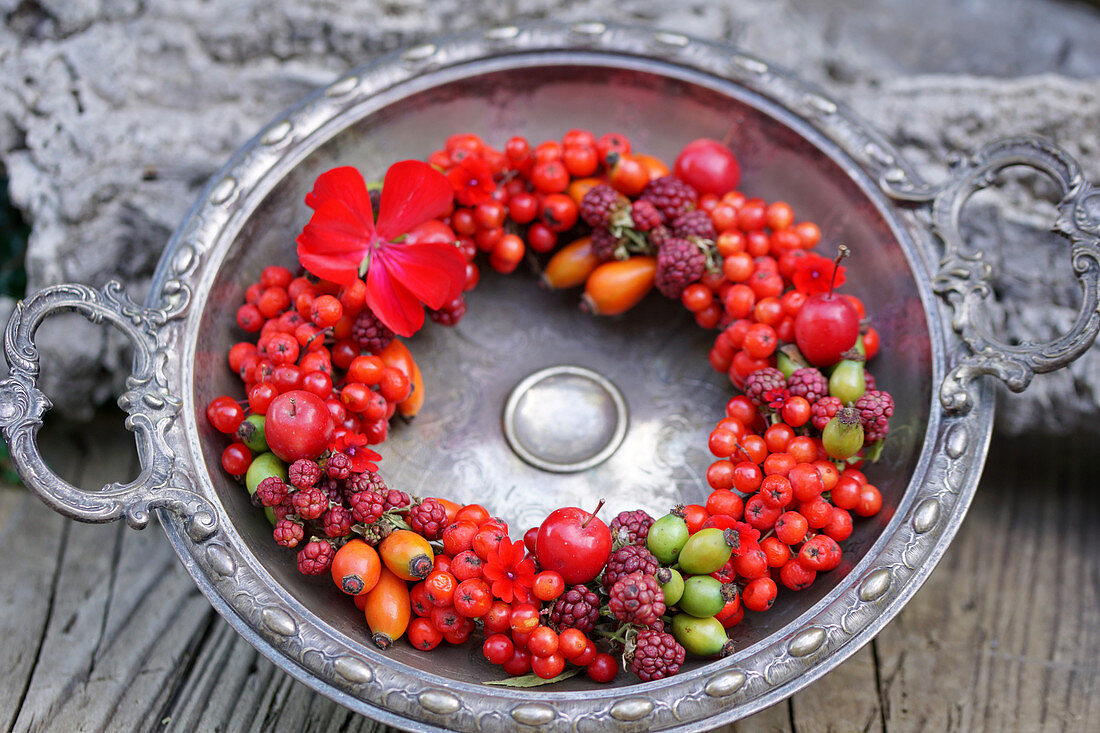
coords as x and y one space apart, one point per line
826 326
298 425
708 166
573 542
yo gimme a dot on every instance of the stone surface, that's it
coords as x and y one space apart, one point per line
113 113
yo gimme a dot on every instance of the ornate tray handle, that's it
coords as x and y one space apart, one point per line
150 407
964 277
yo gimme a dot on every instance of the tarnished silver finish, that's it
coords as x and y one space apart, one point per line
540 80
965 278
150 404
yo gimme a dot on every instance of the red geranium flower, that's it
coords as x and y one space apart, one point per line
510 574
813 273
354 446
472 180
776 398
342 241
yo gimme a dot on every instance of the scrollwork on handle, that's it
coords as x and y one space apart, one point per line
964 277
149 405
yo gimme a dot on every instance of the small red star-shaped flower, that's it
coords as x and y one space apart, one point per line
510 574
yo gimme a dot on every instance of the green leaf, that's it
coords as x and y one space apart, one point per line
874 452
533 680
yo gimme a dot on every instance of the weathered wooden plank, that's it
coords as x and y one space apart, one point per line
1004 635
774 719
31 538
845 700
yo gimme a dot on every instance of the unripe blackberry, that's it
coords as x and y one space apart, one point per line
367 506
808 382
600 203
271 491
370 333
626 560
875 410
696 223
637 599
338 466
396 499
604 244
631 527
670 196
644 215
316 557
761 381
304 473
656 655
336 522
577 608
428 518
823 411
680 262
451 313
288 533
310 503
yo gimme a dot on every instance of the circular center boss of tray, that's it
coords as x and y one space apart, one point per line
565 419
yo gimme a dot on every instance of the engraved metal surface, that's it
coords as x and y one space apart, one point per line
149 403
965 278
661 89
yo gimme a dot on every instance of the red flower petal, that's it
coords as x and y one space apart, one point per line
492 572
344 184
472 180
504 552
502 589
392 302
813 274
434 273
412 192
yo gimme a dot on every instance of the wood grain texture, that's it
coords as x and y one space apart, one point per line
104 629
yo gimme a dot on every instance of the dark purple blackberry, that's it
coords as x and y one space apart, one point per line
670 196
395 499
637 599
304 473
428 518
604 244
695 223
370 333
761 381
576 608
644 215
316 557
680 262
875 410
823 411
808 382
338 466
332 488
365 481
658 235
656 655
271 491
288 533
310 503
336 522
367 506
626 560
600 203
451 313
631 528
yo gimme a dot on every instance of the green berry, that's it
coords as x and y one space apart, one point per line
843 435
847 382
666 537
672 585
705 637
703 596
263 466
251 433
705 552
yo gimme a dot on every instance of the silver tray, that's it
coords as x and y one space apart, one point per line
924 290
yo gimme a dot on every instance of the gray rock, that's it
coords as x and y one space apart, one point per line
113 113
